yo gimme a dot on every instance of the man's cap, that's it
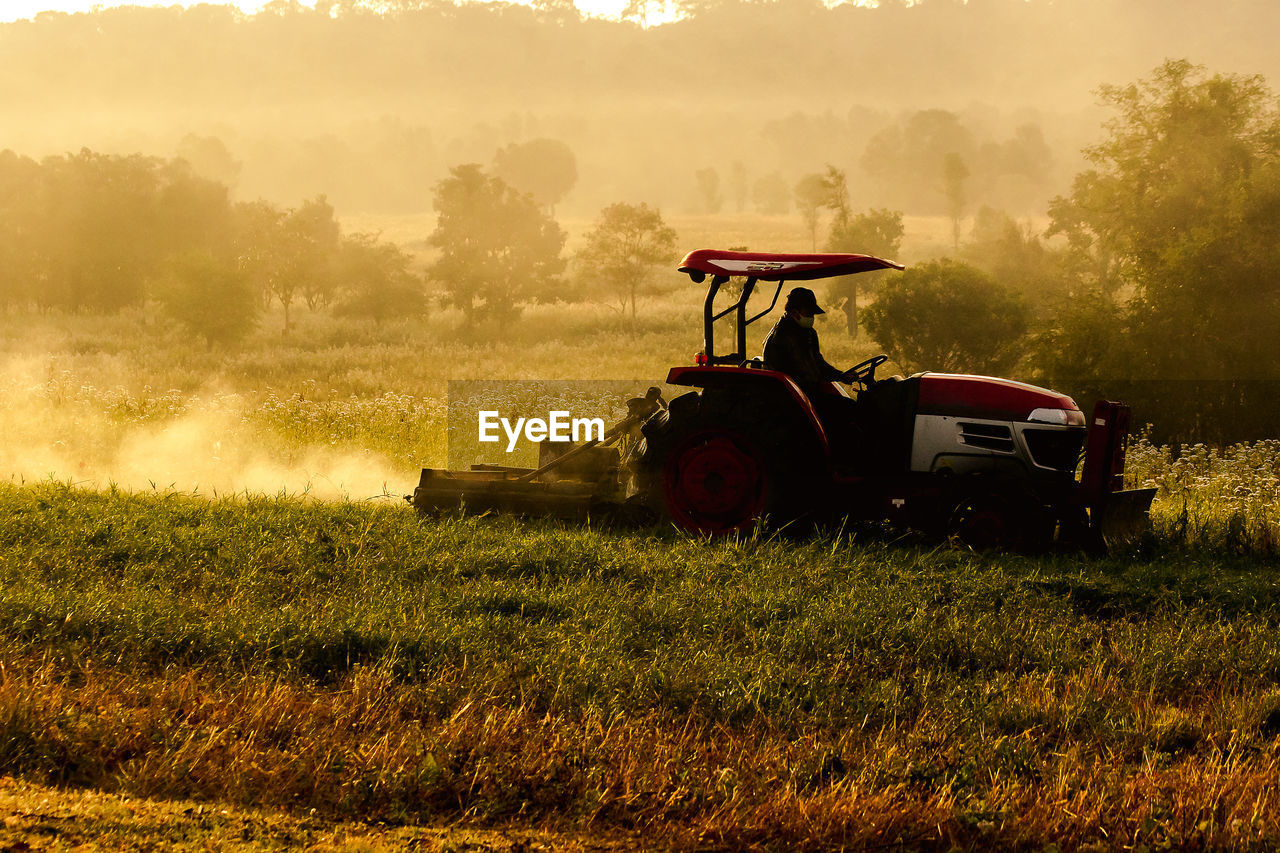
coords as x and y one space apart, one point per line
802 298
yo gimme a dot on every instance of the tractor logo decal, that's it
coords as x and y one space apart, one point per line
741 266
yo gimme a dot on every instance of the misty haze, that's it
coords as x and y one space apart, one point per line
968 543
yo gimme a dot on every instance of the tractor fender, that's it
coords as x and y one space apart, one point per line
757 385
771 427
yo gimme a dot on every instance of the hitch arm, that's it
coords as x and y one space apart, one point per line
640 412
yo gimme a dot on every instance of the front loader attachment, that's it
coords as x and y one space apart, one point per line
1123 517
1116 516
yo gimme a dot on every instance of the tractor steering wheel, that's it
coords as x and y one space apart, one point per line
864 372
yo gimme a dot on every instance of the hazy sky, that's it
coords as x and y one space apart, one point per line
15 10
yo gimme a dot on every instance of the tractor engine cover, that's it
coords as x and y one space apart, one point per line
968 424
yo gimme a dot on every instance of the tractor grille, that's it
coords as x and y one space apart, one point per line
1055 448
987 436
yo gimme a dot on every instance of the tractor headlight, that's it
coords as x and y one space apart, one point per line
1062 417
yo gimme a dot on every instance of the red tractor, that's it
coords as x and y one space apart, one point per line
990 461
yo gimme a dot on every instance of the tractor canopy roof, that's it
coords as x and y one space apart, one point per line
773 266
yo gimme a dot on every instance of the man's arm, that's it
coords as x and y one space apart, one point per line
829 372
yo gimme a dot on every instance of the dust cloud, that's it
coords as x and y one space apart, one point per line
206 444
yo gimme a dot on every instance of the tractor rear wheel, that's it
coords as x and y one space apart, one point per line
716 481
716 463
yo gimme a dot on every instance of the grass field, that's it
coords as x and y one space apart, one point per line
221 627
849 690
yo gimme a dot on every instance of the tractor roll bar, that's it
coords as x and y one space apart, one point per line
740 305
762 266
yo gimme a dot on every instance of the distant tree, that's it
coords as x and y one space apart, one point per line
210 159
948 316
812 195
1013 254
954 174
709 194
284 8
99 232
289 254
269 255
738 185
21 265
641 10
1177 222
377 281
771 195
558 12
545 168
876 232
496 245
314 238
908 158
627 242
1027 154
837 193
260 250
92 232
193 213
210 296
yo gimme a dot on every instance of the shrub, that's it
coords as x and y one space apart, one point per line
949 316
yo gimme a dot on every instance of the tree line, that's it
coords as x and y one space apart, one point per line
93 232
531 56
99 233
1160 266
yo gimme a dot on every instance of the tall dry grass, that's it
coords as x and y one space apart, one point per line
372 747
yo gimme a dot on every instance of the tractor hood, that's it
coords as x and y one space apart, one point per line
987 397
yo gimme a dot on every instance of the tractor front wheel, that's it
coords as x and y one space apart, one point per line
715 481
985 521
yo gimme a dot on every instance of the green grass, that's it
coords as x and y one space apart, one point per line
608 617
953 695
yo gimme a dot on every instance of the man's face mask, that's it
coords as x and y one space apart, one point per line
805 321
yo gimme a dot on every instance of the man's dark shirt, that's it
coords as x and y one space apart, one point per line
793 349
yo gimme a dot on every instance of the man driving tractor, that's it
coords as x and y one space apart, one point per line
792 348
792 344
